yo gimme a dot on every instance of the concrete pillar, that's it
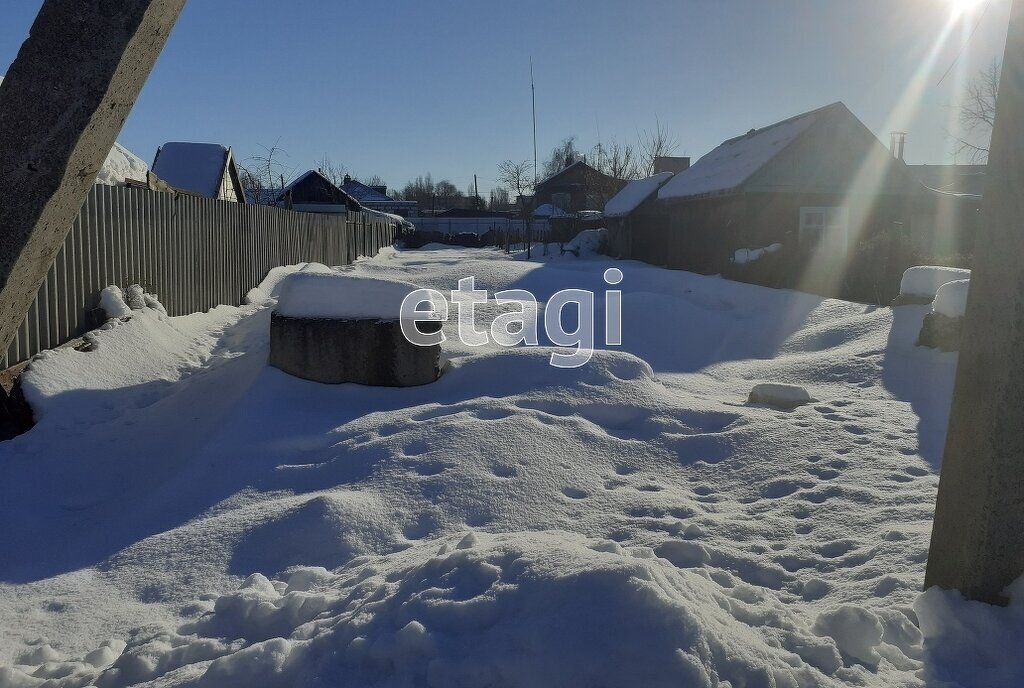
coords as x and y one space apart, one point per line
977 544
62 105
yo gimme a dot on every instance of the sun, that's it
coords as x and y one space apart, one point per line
958 8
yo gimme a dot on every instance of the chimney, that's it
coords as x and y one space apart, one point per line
673 164
897 141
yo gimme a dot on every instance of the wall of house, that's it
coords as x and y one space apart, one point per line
227 187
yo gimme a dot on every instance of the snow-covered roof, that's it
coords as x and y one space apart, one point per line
633 194
549 210
121 165
363 193
195 167
733 162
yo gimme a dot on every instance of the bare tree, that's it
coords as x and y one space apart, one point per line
562 155
448 195
977 114
335 172
616 160
500 199
653 145
420 190
518 178
264 173
375 180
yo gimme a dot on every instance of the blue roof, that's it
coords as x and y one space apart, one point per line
363 193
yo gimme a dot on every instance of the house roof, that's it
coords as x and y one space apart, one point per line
733 162
569 168
363 193
634 193
313 173
195 167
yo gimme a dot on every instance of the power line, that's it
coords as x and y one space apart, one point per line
963 46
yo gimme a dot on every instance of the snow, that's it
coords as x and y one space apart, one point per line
183 515
779 395
733 162
587 243
549 210
633 194
113 304
923 281
972 644
749 255
951 299
195 167
330 295
121 164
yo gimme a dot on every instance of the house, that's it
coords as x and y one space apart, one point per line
203 169
947 210
818 184
577 187
376 198
634 214
312 192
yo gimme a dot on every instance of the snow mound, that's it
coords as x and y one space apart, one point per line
588 243
969 643
549 210
120 304
951 299
518 609
270 287
779 395
332 295
121 164
922 281
633 194
749 255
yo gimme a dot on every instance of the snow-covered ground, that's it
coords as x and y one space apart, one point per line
184 515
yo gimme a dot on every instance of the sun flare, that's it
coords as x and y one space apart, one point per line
961 7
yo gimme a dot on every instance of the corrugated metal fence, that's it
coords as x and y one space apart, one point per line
192 252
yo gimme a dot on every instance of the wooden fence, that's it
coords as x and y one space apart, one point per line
192 252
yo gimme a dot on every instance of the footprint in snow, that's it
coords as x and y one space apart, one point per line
574 493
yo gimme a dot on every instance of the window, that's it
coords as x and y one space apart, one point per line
824 229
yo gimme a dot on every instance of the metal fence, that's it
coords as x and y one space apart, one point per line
475 225
194 253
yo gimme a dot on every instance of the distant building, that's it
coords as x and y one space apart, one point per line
947 209
203 169
815 183
633 216
312 192
577 187
376 198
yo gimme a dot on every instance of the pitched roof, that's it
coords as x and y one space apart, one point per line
363 193
568 168
313 173
733 162
195 167
633 194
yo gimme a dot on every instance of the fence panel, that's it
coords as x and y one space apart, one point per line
192 252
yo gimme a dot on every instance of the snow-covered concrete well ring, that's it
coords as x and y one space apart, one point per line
332 328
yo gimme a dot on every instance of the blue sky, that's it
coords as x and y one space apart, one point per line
399 89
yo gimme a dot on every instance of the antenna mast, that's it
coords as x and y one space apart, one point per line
533 94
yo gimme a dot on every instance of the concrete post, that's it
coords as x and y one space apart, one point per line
977 544
62 105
